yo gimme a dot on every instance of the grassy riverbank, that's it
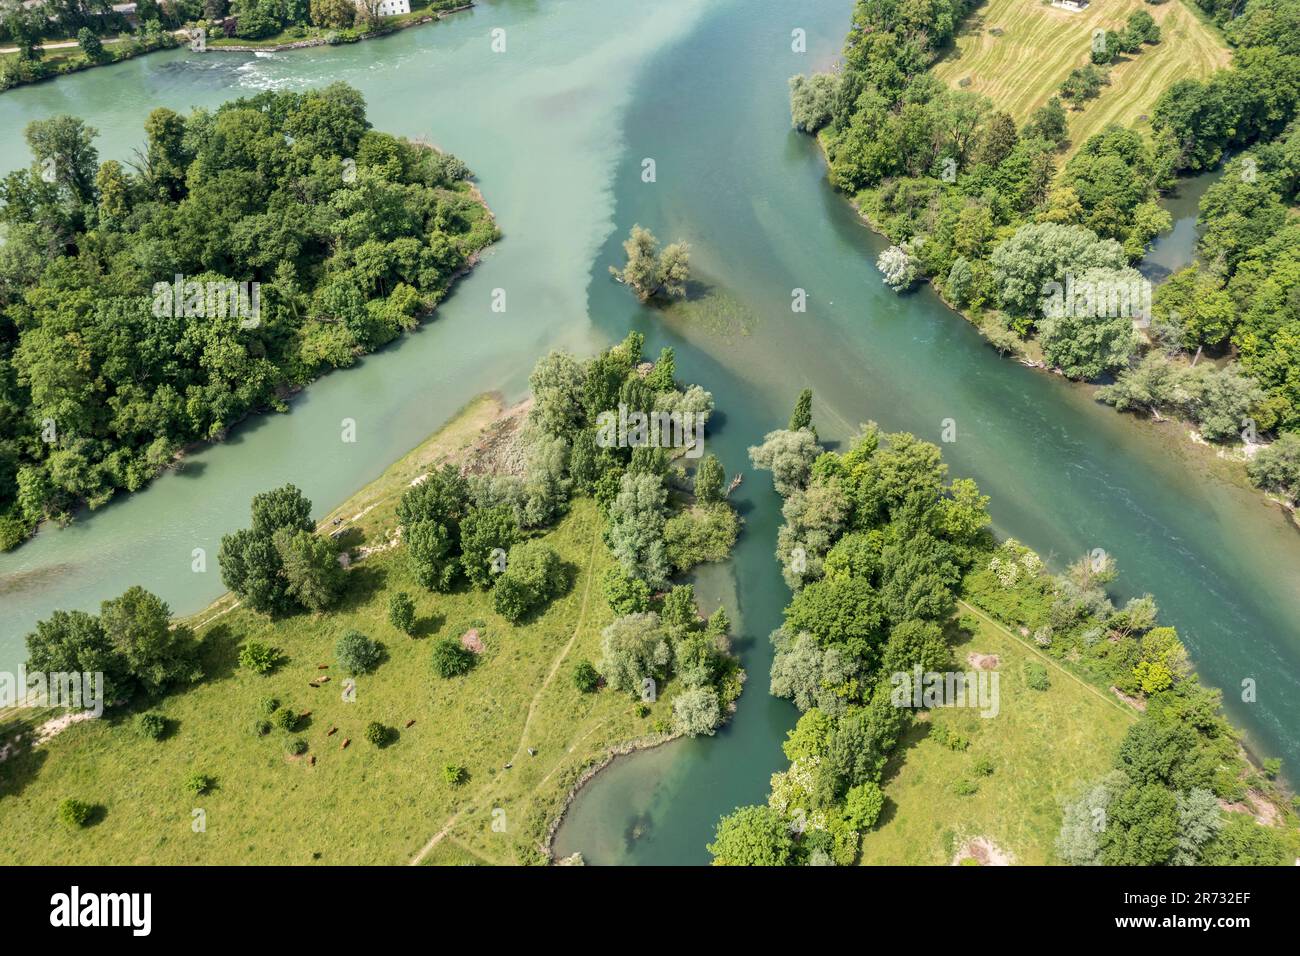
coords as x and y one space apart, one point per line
365 804
1043 746
67 57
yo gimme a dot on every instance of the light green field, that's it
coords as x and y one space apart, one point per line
1040 44
1043 745
362 804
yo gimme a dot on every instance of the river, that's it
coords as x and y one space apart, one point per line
556 129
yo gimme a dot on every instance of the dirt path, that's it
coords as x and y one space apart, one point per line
1127 711
532 708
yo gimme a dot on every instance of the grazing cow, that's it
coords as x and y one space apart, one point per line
321 667
304 715
410 723
333 731
313 760
346 741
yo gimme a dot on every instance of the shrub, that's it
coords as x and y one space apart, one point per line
377 733
258 657
267 706
454 774
965 788
585 677
533 575
261 727
625 594
74 813
696 711
951 738
356 653
284 718
401 612
295 746
151 725
862 806
450 659
1036 676
199 783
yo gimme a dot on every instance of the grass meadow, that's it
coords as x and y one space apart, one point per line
362 804
1017 53
1043 745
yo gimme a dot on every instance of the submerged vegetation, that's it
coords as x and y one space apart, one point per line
115 352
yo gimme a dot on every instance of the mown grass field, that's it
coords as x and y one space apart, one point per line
363 804
1043 746
1039 45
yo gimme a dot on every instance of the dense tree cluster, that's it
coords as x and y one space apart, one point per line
1159 804
280 564
131 642
350 234
642 650
874 544
877 545
979 208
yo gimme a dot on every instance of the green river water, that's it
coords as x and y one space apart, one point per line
556 129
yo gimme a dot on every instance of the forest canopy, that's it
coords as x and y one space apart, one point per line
347 235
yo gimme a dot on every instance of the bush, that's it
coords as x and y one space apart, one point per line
585 677
74 813
984 767
625 594
454 774
295 746
377 733
696 711
284 718
862 806
267 706
258 657
152 726
951 738
401 612
199 783
965 788
1036 676
450 659
357 654
261 727
533 575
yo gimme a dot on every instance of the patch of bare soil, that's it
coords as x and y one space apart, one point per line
46 731
984 852
471 641
1257 805
983 662
1137 703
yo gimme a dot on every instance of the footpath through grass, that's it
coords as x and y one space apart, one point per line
1042 746
363 804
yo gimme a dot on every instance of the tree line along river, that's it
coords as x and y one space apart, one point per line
556 129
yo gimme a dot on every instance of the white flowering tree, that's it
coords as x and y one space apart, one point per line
898 268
